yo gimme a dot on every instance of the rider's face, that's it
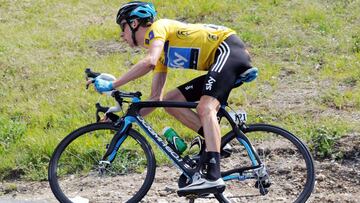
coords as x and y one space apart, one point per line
126 33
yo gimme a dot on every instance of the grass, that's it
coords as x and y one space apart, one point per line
46 45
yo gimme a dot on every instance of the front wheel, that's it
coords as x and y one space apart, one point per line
76 172
287 174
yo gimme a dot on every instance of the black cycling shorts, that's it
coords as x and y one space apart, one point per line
231 60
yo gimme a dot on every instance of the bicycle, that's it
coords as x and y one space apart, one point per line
273 164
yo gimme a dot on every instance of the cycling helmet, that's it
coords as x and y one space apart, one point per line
143 11
136 10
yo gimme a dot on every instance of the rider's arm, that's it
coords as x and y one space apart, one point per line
143 66
157 87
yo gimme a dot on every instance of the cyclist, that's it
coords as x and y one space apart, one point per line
174 44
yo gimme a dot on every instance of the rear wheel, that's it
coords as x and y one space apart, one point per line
287 176
75 170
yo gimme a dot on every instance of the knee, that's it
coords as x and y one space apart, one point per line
169 110
168 97
205 110
174 95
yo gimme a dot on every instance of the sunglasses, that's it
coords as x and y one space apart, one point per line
122 26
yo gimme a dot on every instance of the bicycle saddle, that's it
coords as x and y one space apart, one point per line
247 76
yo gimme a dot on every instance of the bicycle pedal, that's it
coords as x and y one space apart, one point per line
226 151
195 196
201 192
224 154
191 196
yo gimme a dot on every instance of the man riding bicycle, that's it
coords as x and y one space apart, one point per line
174 44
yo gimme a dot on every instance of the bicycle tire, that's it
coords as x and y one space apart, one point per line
64 175
287 158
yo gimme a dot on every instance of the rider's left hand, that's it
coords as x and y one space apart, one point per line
103 85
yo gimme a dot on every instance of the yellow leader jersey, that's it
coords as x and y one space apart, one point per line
189 46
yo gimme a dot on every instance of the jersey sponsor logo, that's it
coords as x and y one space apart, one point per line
212 37
189 87
178 61
209 83
182 34
162 60
151 35
179 57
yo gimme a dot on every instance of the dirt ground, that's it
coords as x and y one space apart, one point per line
336 181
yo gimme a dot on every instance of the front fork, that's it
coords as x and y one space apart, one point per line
112 148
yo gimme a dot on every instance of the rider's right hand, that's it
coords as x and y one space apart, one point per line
102 85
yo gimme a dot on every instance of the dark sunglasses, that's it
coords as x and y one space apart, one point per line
122 26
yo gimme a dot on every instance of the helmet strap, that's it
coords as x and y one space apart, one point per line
134 30
133 37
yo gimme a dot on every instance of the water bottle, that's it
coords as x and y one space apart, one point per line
173 138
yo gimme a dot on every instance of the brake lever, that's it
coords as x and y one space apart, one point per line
90 76
89 82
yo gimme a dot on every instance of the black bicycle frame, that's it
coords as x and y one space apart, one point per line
132 116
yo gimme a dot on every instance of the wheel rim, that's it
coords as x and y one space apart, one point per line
80 176
284 163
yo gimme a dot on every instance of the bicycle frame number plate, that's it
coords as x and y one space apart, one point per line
238 116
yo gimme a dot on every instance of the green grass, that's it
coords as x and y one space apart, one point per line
46 45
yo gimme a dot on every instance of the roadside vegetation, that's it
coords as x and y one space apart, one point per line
307 51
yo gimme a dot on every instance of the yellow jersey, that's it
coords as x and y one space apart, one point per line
189 46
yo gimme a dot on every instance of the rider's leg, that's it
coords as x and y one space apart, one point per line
231 60
207 110
186 116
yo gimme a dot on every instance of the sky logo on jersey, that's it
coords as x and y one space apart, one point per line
178 57
209 83
189 87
